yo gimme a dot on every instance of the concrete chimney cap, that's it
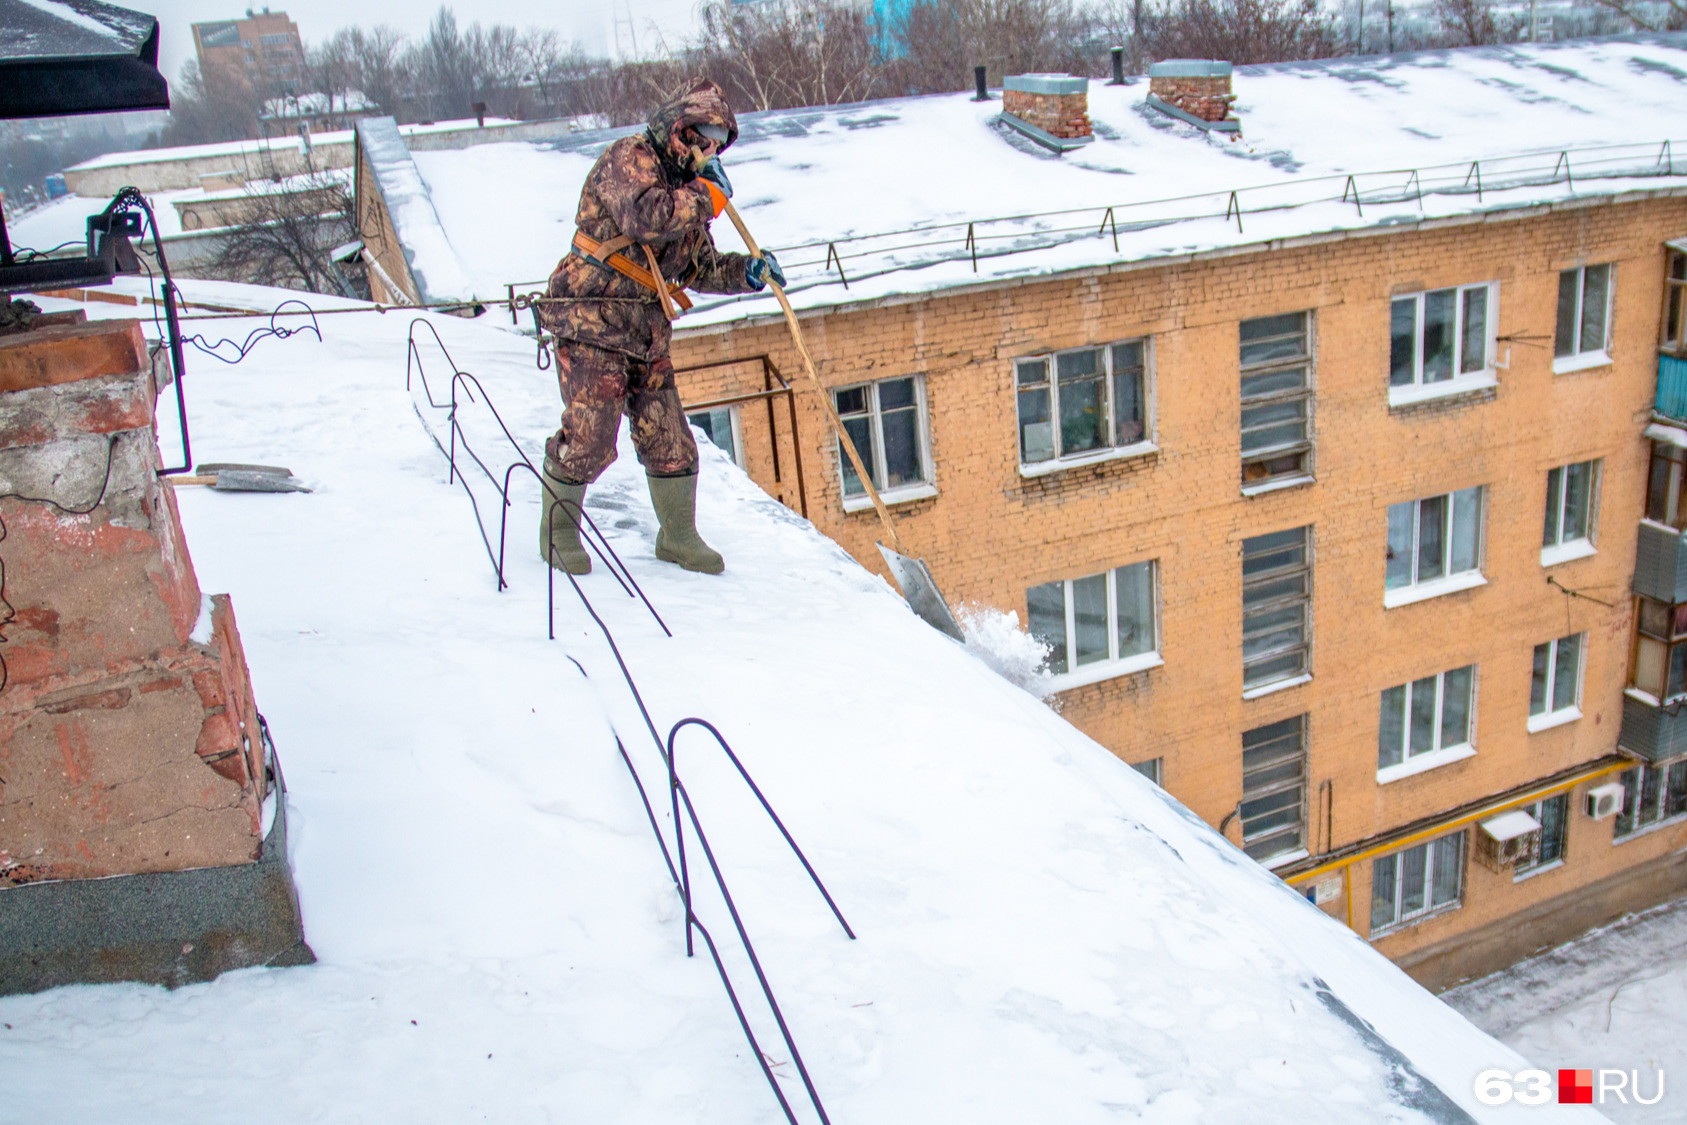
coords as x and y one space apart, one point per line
1046 84
1190 68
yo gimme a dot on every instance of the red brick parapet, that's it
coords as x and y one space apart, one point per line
1062 115
128 733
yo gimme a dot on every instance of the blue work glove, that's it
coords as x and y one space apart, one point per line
759 269
715 172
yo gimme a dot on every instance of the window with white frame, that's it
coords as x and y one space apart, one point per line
1651 795
1416 882
1571 506
1553 815
1082 402
1433 540
1103 623
1584 313
1440 338
886 421
1276 607
1276 359
1674 321
720 426
1555 689
1274 789
1426 716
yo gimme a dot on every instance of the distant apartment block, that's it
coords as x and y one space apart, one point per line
263 50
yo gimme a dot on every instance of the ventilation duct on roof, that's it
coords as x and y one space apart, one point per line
1196 91
1051 109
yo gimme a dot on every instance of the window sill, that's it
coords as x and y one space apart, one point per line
1542 869
1552 719
1647 829
1276 686
1274 485
1412 394
1083 460
1422 763
1565 364
904 495
1283 860
1423 591
1568 552
1107 670
1640 695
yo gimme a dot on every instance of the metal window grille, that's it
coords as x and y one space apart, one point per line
1273 788
1276 606
1412 883
1552 814
1652 794
1276 362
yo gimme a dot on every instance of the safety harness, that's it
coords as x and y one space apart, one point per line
609 253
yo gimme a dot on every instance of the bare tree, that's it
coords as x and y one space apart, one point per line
780 53
1470 23
204 109
1241 31
283 237
1646 15
939 42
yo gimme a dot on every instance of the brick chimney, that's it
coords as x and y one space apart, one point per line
1051 109
1196 91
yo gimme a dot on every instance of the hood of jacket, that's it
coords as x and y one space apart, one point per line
698 102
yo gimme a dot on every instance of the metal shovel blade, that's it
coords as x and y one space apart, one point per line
921 592
243 480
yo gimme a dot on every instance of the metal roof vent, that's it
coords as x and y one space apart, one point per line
1051 109
1196 91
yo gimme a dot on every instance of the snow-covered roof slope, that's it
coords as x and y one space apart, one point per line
428 250
895 183
253 148
1043 935
41 30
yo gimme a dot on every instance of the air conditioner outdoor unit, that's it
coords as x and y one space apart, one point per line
1602 801
1507 839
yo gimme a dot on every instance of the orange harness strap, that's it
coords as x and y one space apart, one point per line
608 253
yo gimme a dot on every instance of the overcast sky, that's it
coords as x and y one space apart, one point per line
603 27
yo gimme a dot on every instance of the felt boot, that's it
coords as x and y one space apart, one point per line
559 533
675 500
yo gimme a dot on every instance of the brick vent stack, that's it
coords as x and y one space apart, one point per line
1199 87
1058 104
128 734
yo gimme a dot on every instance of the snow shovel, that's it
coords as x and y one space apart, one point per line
230 477
911 573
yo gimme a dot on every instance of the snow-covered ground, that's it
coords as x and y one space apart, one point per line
1044 936
1613 999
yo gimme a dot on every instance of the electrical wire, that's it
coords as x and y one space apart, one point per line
242 348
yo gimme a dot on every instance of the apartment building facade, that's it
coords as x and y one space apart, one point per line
1336 540
262 51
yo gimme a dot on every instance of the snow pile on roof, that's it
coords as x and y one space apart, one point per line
40 30
427 248
812 176
1043 934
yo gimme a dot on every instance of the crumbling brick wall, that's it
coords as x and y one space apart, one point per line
1205 96
1064 115
128 734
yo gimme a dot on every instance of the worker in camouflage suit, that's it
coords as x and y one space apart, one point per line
643 237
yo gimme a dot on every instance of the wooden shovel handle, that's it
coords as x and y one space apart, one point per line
844 439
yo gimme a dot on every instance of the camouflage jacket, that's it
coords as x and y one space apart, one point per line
643 187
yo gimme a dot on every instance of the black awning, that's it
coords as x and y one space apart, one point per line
61 57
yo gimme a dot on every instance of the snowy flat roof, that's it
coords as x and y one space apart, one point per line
892 185
252 148
1043 935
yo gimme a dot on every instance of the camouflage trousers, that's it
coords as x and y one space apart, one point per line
598 386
